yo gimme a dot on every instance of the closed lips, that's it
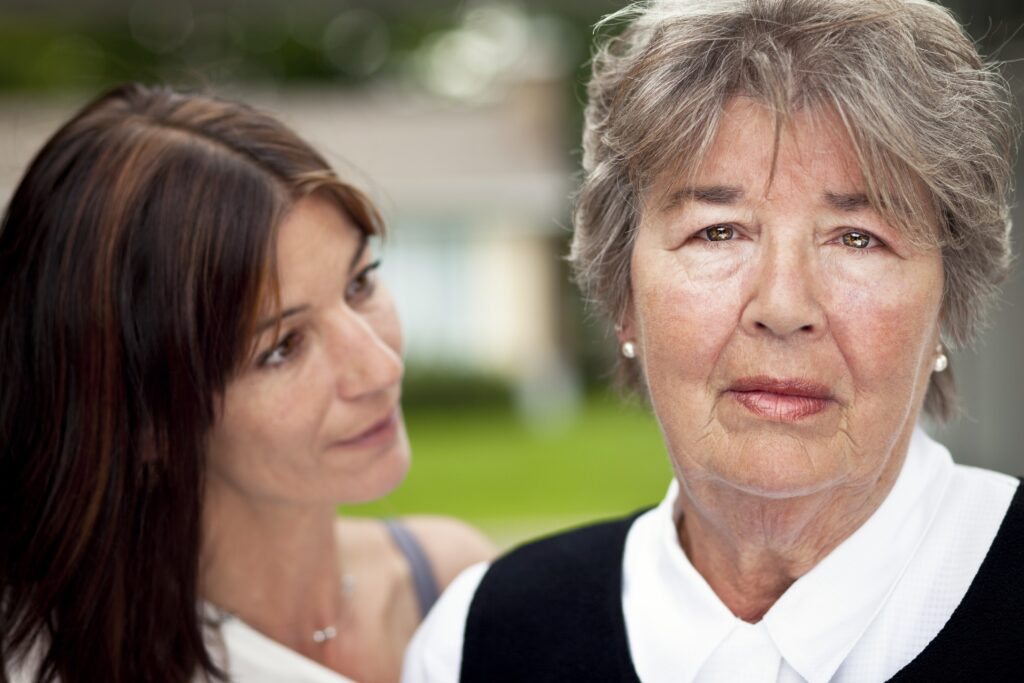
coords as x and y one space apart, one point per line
380 426
781 399
784 387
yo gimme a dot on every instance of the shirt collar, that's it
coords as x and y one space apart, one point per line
673 615
817 622
674 621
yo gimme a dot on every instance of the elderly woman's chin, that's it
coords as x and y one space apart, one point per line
753 455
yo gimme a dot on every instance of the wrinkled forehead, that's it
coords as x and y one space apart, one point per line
757 150
752 146
749 140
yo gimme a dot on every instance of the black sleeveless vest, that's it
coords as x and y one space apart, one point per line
551 612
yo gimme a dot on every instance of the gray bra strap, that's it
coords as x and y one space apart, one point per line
423 580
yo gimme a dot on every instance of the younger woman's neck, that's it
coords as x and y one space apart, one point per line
276 567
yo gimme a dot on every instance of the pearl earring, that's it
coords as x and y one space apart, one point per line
941 361
628 350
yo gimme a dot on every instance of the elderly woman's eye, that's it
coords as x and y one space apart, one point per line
718 233
857 240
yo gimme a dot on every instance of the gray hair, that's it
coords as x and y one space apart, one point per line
931 124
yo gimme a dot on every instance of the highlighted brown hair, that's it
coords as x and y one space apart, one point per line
135 257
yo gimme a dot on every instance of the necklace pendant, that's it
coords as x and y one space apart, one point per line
324 634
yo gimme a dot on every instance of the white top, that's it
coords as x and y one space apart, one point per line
846 621
252 657
244 653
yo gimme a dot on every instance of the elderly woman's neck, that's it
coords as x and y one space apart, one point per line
750 549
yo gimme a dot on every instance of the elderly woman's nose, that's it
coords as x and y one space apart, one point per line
783 297
361 359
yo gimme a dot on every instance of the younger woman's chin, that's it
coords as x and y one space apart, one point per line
384 476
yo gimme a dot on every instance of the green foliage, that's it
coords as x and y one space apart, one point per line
515 481
227 43
453 390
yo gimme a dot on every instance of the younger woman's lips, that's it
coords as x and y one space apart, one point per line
780 407
381 431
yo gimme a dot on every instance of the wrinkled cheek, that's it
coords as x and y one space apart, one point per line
684 331
685 321
883 338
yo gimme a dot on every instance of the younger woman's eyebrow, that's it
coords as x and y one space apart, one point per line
264 325
277 319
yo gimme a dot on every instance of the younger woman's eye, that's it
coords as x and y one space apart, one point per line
282 352
719 233
857 239
362 285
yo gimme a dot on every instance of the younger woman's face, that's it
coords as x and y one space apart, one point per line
314 417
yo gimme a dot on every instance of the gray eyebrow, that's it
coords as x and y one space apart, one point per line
709 194
728 195
847 201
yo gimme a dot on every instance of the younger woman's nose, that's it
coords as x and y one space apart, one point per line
362 359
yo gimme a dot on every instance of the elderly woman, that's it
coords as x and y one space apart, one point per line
790 207
199 364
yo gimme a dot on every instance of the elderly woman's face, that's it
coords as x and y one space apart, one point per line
786 331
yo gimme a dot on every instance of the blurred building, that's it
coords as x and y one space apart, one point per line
458 128
473 176
476 195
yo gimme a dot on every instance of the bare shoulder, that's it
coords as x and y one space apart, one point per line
363 542
450 544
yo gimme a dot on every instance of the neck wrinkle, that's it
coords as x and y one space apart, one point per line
751 549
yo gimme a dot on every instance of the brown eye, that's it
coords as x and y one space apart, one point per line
284 350
362 284
719 233
857 240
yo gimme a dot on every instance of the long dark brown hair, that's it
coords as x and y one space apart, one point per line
134 258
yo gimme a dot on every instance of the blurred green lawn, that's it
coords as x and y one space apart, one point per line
515 481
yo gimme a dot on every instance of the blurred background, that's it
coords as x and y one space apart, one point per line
462 120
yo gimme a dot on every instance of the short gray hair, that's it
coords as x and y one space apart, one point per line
931 123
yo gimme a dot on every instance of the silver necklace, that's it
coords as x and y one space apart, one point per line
322 635
329 632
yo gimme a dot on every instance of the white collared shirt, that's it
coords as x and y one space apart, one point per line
245 654
865 611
